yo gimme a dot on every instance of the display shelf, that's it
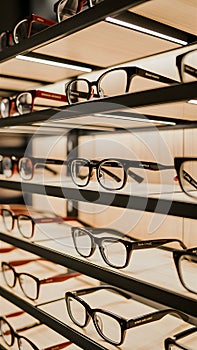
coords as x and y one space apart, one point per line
83 341
115 104
62 39
156 203
130 284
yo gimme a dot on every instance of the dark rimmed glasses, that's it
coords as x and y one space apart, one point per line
29 284
9 335
173 343
25 166
116 81
111 327
67 8
186 265
115 251
24 102
26 223
23 30
186 168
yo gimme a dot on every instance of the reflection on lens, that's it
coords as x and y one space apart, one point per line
111 174
115 252
78 91
5 332
188 177
4 108
113 83
108 326
24 103
189 67
77 311
8 274
83 242
7 166
21 31
188 268
25 168
25 225
7 219
28 285
80 171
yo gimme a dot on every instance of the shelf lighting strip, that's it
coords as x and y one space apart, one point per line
145 30
53 63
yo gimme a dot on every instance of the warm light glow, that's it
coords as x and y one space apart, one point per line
145 30
193 102
53 63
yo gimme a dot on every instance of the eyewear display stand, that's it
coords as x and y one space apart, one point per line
67 116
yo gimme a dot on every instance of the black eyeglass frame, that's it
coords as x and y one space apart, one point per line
124 323
131 72
172 341
129 246
177 255
190 70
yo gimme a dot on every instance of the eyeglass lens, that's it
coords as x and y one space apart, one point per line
24 103
9 336
188 269
7 166
25 167
4 108
188 177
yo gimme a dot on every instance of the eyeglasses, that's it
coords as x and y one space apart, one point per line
116 252
186 265
24 102
172 344
112 173
186 169
187 66
9 335
115 81
67 8
111 327
29 284
25 166
25 223
23 30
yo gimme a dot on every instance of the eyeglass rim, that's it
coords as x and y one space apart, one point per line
178 161
177 255
179 59
172 341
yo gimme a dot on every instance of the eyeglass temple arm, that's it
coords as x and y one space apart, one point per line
56 219
187 177
59 278
59 346
185 333
7 250
95 289
136 71
133 175
50 95
155 243
25 328
154 316
25 261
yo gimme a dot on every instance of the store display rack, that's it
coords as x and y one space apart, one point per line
155 205
166 95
